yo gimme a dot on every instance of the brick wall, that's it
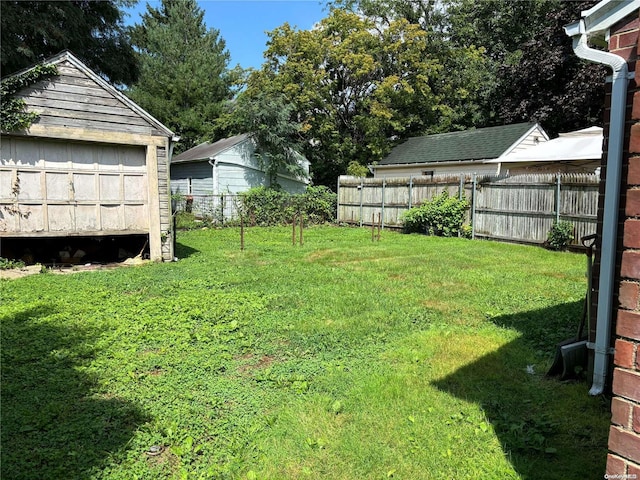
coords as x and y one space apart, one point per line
624 434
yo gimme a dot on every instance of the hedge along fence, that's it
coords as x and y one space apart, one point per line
262 206
520 208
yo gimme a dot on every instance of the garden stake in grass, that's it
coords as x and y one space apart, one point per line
242 232
301 229
293 233
373 227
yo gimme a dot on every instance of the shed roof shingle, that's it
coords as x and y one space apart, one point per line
480 144
206 150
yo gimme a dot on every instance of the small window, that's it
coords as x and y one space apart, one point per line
189 186
427 173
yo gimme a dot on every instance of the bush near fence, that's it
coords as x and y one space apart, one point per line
518 208
261 206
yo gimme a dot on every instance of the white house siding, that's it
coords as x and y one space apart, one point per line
200 174
534 138
451 169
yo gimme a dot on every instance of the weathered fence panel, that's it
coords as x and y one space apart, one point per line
519 208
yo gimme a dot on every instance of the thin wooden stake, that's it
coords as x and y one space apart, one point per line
301 229
293 233
373 227
242 232
379 225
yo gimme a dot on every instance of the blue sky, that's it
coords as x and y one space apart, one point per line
243 23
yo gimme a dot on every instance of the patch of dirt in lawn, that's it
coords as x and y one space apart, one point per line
263 362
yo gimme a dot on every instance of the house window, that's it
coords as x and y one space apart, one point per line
427 173
189 186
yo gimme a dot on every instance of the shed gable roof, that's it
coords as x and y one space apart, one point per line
468 145
206 150
71 67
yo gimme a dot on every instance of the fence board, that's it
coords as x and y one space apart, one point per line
519 208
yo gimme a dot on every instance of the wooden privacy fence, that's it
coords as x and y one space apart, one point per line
520 208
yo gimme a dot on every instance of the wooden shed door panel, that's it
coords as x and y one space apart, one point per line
73 187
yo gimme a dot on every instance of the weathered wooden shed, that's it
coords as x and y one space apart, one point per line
94 164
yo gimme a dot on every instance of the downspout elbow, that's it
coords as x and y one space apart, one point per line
612 197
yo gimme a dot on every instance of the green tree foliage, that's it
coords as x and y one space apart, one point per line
269 118
353 88
31 31
183 78
548 82
526 69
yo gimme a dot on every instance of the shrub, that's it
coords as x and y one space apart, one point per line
267 206
319 204
560 235
443 216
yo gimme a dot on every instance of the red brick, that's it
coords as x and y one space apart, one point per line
615 465
631 238
636 419
633 469
633 177
624 443
625 354
628 324
621 412
626 384
634 140
635 110
628 39
628 53
632 207
613 42
630 267
628 295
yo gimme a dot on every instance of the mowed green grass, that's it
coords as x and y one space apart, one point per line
410 358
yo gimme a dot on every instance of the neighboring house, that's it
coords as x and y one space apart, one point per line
573 152
455 153
94 164
616 306
228 167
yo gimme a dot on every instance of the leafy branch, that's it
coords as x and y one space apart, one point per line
12 109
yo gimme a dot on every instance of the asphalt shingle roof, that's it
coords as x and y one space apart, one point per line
206 150
480 144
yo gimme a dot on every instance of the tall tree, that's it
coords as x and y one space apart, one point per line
353 88
548 82
184 78
31 31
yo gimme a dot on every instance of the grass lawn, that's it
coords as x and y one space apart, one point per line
411 358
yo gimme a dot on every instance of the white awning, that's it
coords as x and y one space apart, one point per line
579 145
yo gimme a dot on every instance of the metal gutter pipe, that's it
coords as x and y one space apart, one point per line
611 197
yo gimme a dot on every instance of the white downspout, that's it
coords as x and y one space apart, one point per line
611 197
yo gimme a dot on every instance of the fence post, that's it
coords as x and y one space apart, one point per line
361 190
461 187
410 190
557 198
473 208
382 207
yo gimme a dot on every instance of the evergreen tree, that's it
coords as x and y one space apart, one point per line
183 78
31 31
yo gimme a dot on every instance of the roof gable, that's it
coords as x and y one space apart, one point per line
79 97
207 150
467 145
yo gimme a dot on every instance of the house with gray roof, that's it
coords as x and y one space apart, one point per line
455 153
228 167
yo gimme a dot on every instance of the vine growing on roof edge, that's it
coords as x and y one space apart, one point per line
12 109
